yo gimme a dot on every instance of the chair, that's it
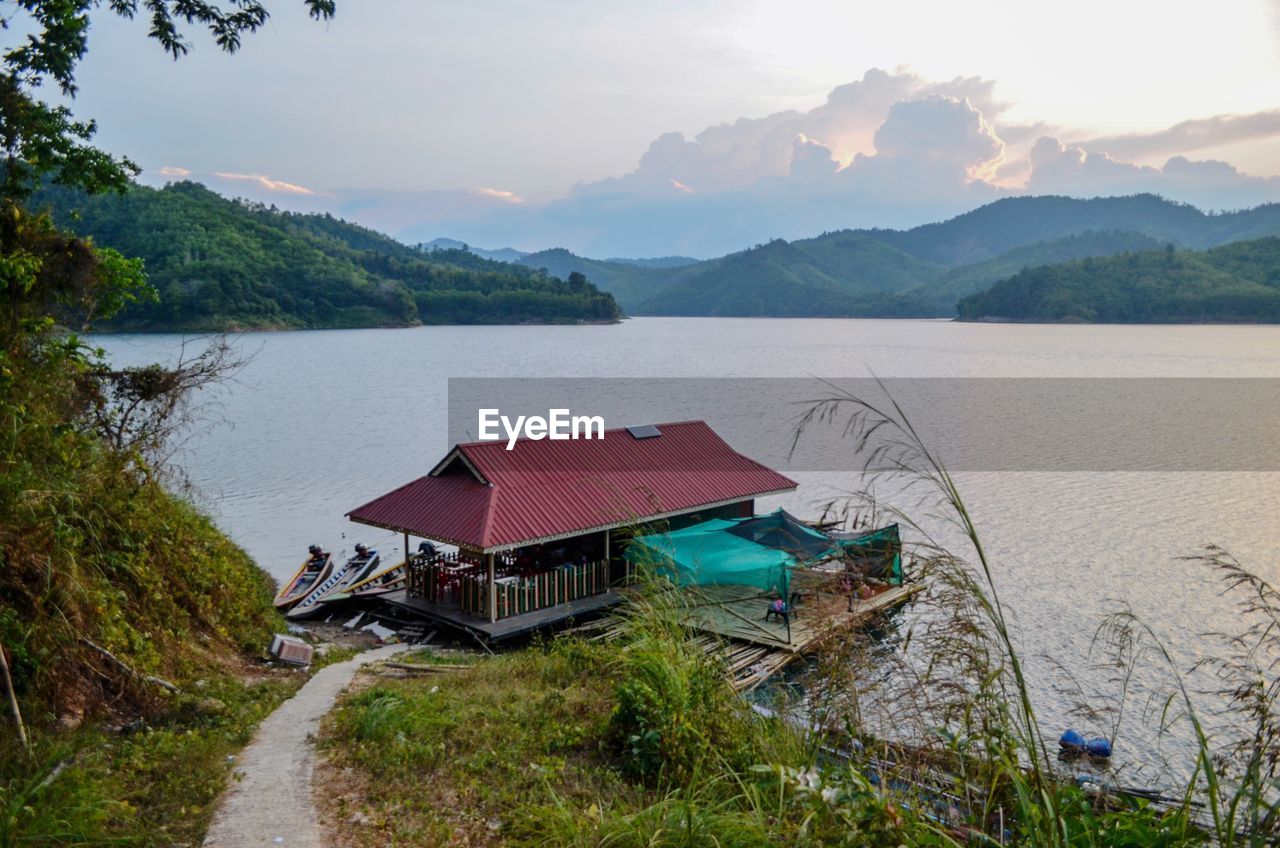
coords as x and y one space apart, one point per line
779 608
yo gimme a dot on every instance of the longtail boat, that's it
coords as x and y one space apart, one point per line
355 570
382 582
311 573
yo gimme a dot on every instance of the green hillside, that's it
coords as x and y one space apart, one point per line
630 283
959 282
223 264
923 271
999 227
1236 283
220 264
844 273
843 276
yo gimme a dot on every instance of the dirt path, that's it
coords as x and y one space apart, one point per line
269 800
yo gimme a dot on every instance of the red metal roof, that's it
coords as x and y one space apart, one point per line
484 496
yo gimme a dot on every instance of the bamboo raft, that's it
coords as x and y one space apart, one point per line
729 624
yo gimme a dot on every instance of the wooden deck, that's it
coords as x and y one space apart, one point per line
730 624
451 615
738 612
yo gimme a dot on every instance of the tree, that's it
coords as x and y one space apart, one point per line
47 277
42 140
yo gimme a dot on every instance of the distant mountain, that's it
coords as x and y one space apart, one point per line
630 283
922 271
837 274
502 254
230 264
999 227
656 261
221 264
1239 282
945 291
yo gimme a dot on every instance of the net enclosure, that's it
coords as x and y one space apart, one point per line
764 552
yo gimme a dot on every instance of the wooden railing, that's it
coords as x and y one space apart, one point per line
435 577
464 581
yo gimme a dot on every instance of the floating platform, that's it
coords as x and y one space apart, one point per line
730 622
450 615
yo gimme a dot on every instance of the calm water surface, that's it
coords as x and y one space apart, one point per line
321 422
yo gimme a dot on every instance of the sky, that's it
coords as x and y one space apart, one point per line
704 126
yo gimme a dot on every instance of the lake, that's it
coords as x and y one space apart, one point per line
320 422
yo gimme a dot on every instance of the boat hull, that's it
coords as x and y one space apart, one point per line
353 572
301 583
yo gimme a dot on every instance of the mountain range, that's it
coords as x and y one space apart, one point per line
225 264
924 271
219 264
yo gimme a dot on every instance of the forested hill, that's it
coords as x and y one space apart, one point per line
1235 283
1013 222
923 271
222 264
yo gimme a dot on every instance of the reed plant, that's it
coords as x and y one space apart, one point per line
966 675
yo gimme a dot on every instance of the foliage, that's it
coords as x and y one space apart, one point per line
1004 225
220 264
1235 283
39 139
675 717
487 739
845 274
629 283
93 548
93 552
148 784
965 280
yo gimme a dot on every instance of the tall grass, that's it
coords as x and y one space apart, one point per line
1236 778
975 685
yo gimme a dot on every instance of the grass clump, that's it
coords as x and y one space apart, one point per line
150 783
674 715
547 747
451 758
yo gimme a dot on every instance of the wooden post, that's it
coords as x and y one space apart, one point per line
12 697
406 551
493 593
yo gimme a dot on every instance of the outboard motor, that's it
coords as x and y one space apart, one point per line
427 549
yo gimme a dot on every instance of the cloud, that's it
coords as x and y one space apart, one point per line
812 160
943 129
1059 169
891 149
173 171
732 156
1208 184
1189 136
266 183
499 194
